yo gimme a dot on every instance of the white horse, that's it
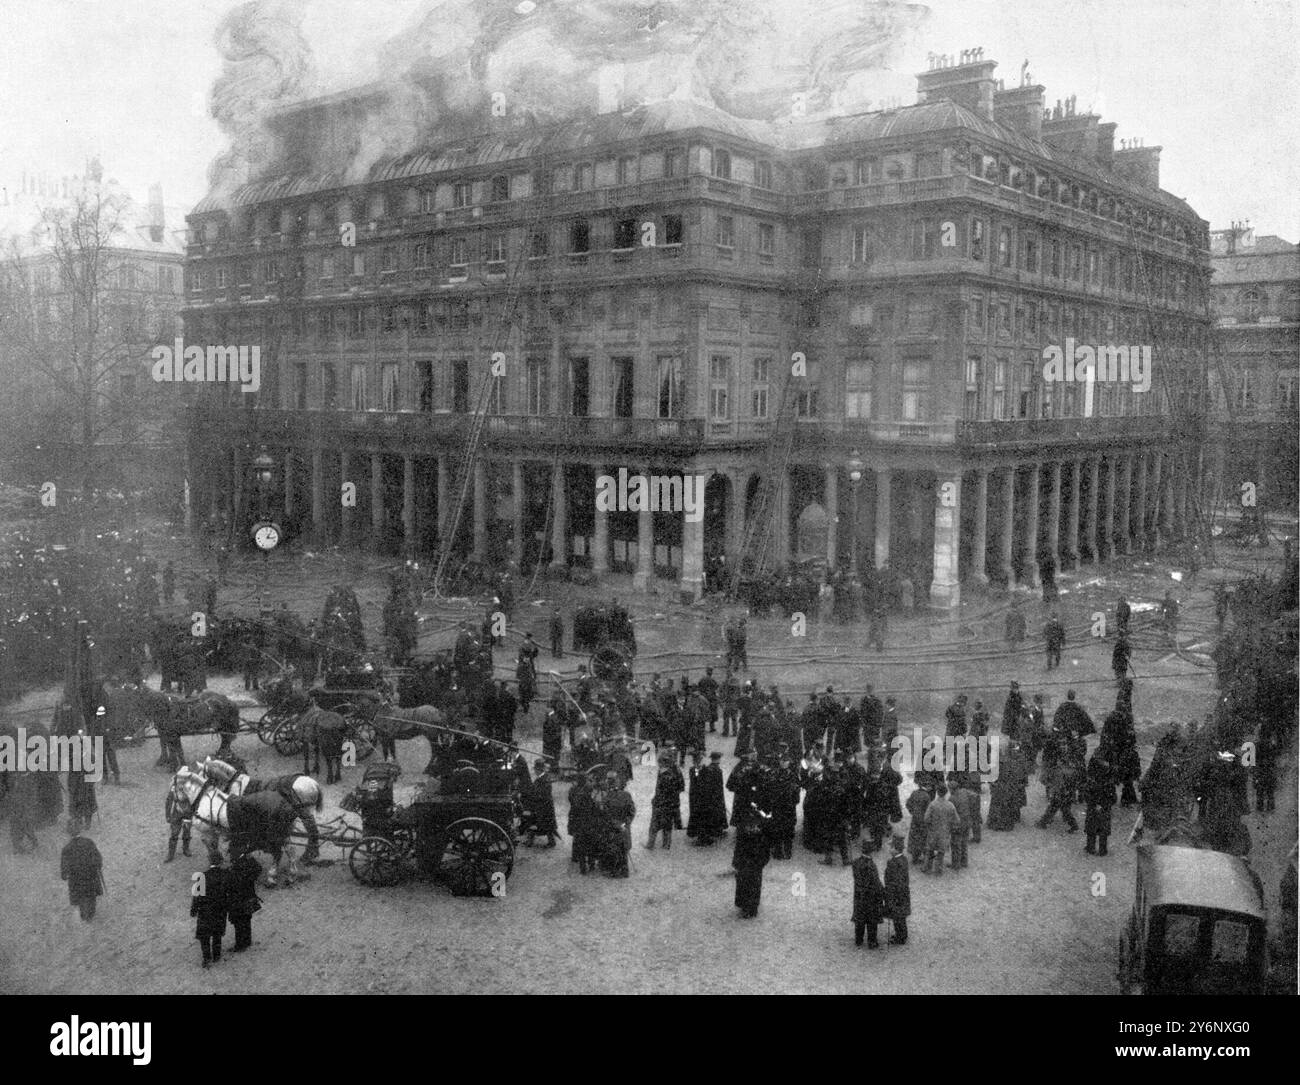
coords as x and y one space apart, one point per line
301 791
200 799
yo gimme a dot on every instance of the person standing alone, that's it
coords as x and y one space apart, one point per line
82 867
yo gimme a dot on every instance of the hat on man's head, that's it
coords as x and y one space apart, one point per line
716 755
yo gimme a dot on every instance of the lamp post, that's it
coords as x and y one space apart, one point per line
855 466
263 475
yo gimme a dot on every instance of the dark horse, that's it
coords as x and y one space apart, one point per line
173 716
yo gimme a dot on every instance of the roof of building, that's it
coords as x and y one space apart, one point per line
1253 266
676 115
20 215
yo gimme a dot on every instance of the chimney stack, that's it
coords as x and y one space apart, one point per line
1141 165
157 217
1075 133
1020 109
969 83
1106 144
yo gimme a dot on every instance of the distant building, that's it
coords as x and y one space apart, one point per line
651 275
1255 374
136 305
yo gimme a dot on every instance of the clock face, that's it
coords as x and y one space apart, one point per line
267 536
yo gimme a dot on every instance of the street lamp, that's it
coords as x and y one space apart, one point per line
855 466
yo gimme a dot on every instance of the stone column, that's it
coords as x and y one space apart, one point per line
347 513
832 504
1126 507
1007 537
1106 544
479 552
517 494
1031 527
376 496
288 485
1094 481
408 502
781 526
692 582
1184 475
600 539
1157 492
645 547
1072 515
317 491
945 588
444 503
979 544
884 480
1139 503
736 518
1054 514
559 519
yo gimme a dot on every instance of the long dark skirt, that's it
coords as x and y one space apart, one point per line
749 888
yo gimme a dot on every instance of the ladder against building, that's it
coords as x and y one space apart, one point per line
758 548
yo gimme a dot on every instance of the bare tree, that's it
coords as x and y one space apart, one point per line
71 331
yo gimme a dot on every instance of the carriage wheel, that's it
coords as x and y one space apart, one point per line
267 725
377 861
288 738
363 737
611 662
477 857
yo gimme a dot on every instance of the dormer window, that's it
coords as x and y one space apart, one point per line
722 164
462 194
763 174
500 188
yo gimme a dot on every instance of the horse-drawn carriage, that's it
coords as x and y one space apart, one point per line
606 632
459 830
355 697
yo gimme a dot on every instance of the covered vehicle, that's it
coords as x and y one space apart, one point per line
1197 925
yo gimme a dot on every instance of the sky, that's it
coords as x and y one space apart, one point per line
1213 82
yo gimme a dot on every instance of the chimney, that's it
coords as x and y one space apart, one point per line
1106 144
1141 165
1075 133
969 83
157 217
1020 109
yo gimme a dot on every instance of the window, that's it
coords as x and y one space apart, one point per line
1055 265
1031 254
719 388
972 402
999 387
540 244
166 279
329 388
459 256
428 200
916 389
196 281
424 385
861 313
579 236
674 163
1004 246
392 388
356 322
722 164
458 318
861 245
388 319
327 266
496 250
1110 271
1025 408
670 385
389 259
1252 305
670 307
672 229
866 170
1076 261
1284 398
221 278
759 393
1004 318
977 239
271 270
420 254
462 194
358 263
922 240
358 387
625 171
1245 397
625 232
621 372
622 308
762 174
726 232
300 386
500 188
1094 266
1182 933
977 312
1031 319
538 376
766 239
859 380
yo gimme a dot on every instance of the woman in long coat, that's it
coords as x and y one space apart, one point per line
707 802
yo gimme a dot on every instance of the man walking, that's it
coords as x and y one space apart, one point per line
868 900
82 867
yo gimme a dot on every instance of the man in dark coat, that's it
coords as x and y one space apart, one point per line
1120 749
1011 711
898 891
744 783
243 900
617 809
868 900
1119 658
917 804
82 867
749 858
1053 640
708 688
1098 797
539 806
1123 615
556 630
872 713
782 790
1072 718
666 805
208 907
584 824
955 718
553 728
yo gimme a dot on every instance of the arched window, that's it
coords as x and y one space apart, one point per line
1253 304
